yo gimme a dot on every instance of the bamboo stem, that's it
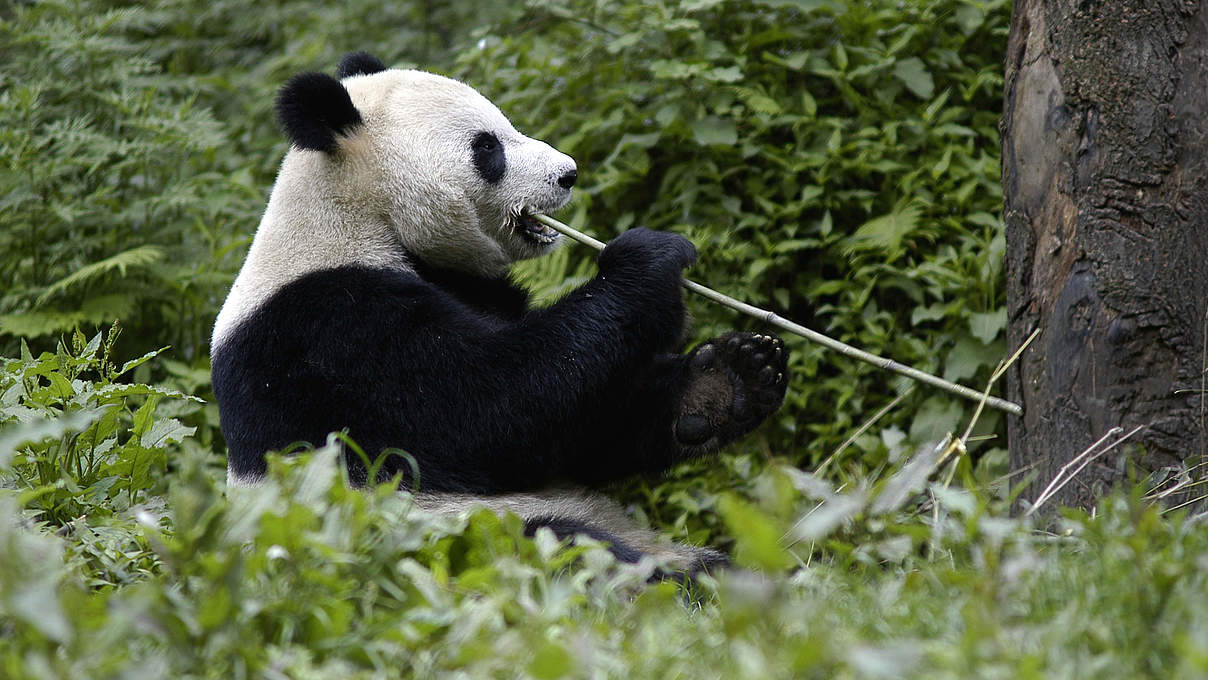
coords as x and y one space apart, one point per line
784 324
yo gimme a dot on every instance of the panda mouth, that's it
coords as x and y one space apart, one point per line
525 225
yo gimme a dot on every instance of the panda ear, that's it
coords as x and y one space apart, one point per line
314 109
359 64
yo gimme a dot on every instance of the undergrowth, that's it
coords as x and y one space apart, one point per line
120 562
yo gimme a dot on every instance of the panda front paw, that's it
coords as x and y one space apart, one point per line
735 382
640 248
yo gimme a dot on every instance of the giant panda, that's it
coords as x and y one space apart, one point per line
375 299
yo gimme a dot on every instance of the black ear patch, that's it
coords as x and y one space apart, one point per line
358 64
314 109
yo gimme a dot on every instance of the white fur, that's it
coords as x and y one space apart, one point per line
404 180
238 481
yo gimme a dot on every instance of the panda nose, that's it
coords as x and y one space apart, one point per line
567 180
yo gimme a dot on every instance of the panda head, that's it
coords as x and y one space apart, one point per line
424 158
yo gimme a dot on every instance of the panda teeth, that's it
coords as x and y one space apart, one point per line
535 230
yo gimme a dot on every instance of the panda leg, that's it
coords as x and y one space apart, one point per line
565 527
687 562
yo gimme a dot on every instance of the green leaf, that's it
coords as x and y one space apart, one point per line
551 661
116 390
165 431
964 359
135 363
99 309
969 18
713 130
763 104
937 417
726 74
803 5
986 326
757 536
643 141
885 233
809 104
15 436
932 312
143 418
914 75
674 70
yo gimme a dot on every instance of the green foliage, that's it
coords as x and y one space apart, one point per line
105 213
899 576
77 446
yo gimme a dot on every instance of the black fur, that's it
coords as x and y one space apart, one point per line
565 528
359 64
489 158
487 296
315 110
707 561
488 395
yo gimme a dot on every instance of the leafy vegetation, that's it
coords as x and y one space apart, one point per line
836 162
165 575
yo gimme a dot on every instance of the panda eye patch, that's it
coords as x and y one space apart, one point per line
489 158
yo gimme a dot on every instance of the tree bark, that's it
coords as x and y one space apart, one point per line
1105 175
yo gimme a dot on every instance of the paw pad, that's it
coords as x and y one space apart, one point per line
737 380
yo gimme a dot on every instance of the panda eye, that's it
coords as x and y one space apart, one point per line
489 158
485 141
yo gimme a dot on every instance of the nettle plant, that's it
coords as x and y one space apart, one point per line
75 439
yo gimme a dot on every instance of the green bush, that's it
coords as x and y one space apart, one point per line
95 445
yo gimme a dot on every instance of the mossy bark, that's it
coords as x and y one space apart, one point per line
1105 173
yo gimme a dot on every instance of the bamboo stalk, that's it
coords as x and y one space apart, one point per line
784 324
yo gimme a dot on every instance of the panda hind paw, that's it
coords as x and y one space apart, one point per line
736 381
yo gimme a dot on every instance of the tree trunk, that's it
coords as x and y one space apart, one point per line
1105 173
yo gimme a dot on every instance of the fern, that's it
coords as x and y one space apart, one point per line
96 311
135 257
